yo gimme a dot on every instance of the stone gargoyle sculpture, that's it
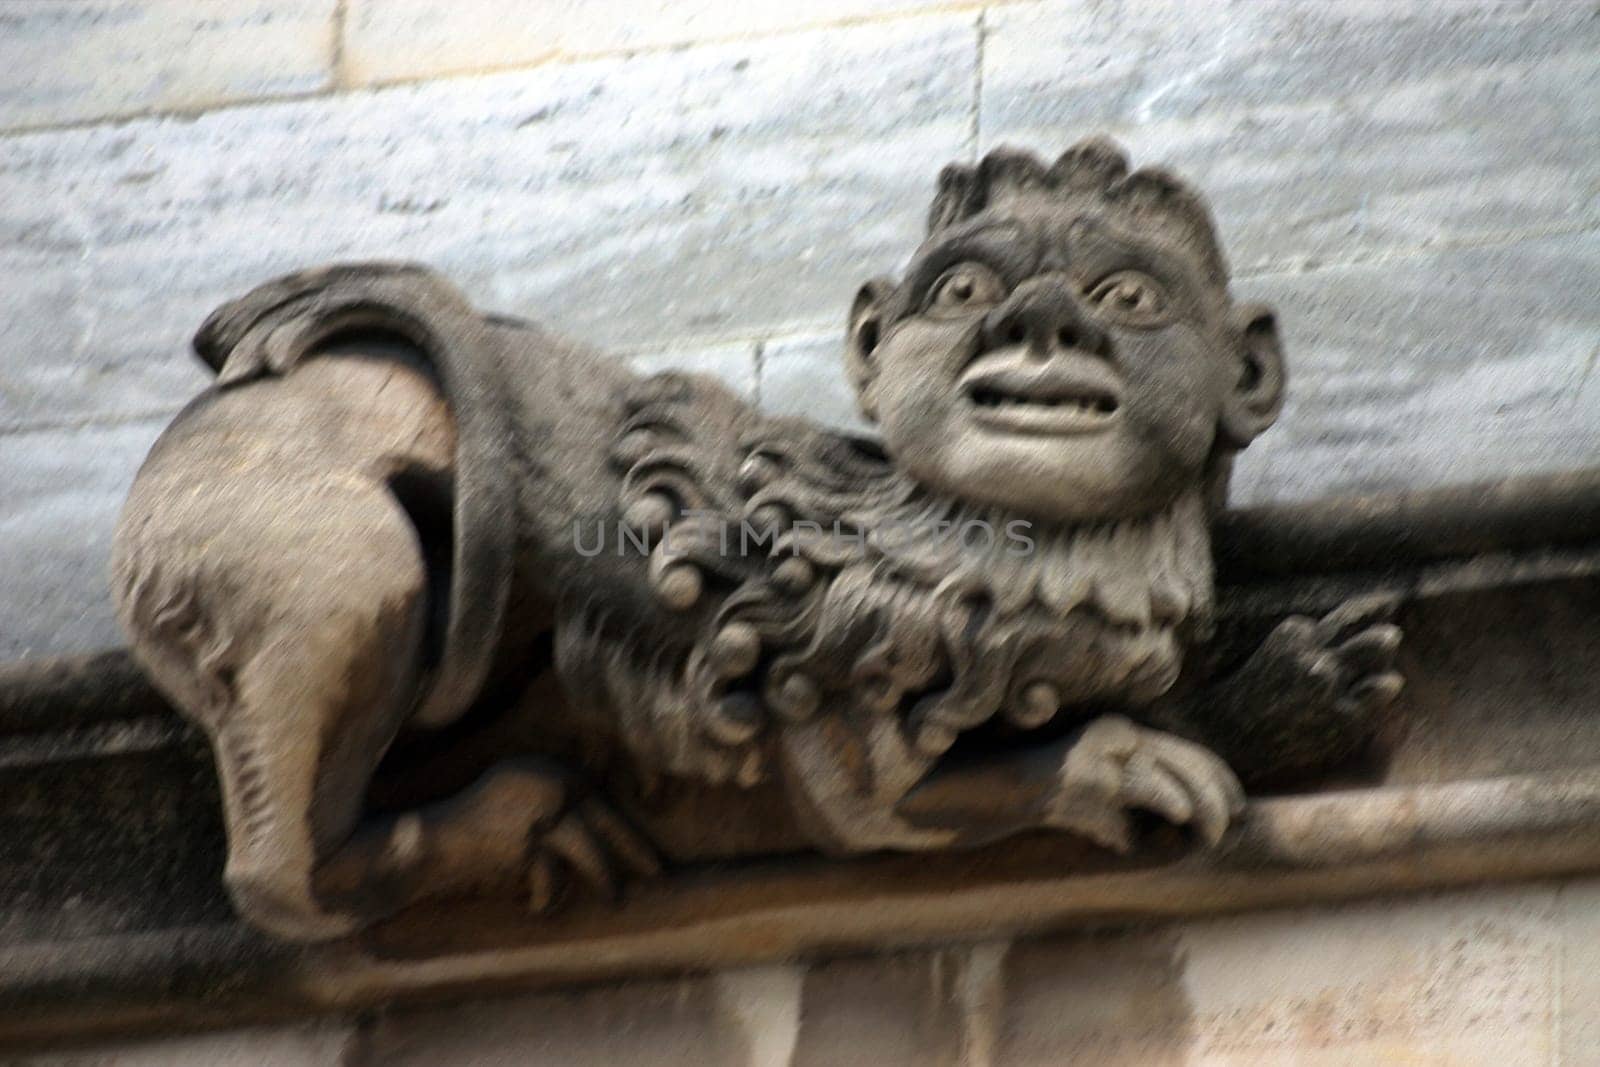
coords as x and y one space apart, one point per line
993 622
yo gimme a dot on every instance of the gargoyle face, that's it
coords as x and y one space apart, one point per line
1047 358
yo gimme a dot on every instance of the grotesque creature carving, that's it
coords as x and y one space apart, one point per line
390 505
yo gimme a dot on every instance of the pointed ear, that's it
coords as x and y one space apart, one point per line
866 330
1257 395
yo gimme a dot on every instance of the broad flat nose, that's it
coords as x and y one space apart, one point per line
1046 315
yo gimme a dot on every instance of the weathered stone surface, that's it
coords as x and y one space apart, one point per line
1469 978
1408 373
1480 978
1578 1027
1322 131
401 40
715 192
1463 979
1457 366
897 1009
892 1009
734 364
60 490
666 1022
321 1045
1114 999
804 375
765 1005
119 821
1426 127
96 59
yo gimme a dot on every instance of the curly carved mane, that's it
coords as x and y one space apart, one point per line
812 577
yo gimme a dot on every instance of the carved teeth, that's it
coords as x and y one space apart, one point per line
1099 404
405 841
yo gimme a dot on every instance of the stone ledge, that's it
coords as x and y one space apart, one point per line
1285 851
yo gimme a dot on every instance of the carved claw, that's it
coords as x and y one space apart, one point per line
1310 696
591 844
1343 662
1117 767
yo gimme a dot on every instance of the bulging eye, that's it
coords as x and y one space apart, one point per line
1130 296
963 288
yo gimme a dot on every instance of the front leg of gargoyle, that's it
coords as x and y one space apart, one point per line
1090 784
1310 697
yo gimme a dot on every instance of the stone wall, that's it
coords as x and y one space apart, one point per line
1487 978
1415 185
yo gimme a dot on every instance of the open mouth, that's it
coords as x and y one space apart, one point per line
1084 403
1043 399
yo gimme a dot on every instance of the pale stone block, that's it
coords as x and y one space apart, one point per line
406 40
60 492
879 1011
804 376
1114 1000
95 59
733 364
1321 131
1464 979
1459 366
1579 903
667 200
764 1003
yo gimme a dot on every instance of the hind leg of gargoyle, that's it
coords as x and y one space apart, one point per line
310 716
286 615
282 609
277 569
319 704
525 824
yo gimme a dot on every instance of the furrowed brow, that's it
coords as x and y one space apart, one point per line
1001 244
1092 241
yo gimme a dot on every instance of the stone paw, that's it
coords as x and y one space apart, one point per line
592 846
1342 664
1117 767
